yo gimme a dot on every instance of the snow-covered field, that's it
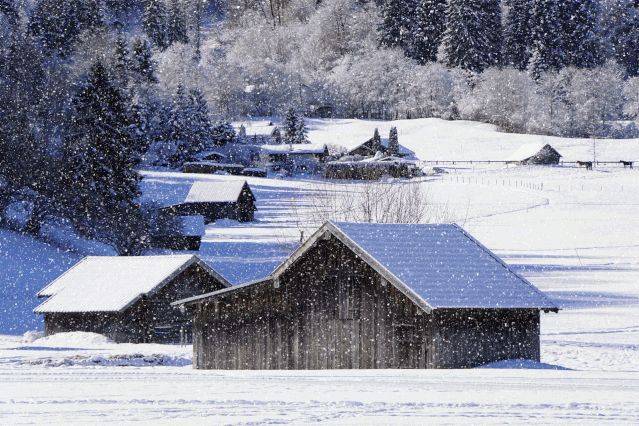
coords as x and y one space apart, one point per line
573 233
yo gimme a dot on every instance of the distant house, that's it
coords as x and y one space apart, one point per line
368 149
215 156
127 298
215 200
283 152
212 167
186 234
535 154
361 295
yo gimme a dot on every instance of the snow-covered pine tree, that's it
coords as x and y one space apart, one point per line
517 47
290 126
142 64
241 134
176 24
546 31
472 37
200 121
377 141
581 36
276 134
121 64
154 23
396 25
428 29
222 133
101 156
393 142
300 131
623 34
179 133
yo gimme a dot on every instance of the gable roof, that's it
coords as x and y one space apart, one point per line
216 191
437 266
530 150
402 149
113 283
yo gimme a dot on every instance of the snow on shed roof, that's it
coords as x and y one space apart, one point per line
215 191
526 151
112 283
296 148
437 266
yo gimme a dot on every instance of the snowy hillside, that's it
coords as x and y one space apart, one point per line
571 232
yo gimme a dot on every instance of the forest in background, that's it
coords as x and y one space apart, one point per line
90 89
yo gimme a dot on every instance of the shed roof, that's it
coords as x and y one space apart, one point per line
437 266
529 150
216 191
113 283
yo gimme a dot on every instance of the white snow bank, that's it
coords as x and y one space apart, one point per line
523 364
73 339
31 336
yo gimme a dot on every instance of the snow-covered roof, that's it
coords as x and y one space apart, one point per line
215 191
526 151
402 149
296 148
113 283
437 266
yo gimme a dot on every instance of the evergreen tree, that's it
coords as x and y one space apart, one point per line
517 47
428 29
395 28
154 23
179 128
200 122
101 155
290 126
142 63
222 133
546 30
623 34
300 131
581 39
377 141
393 142
176 25
241 134
277 136
473 34
121 54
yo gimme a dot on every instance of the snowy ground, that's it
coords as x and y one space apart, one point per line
573 233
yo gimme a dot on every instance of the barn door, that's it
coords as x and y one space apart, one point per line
349 316
410 346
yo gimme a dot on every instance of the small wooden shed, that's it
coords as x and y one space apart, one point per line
368 149
127 298
228 199
542 154
358 295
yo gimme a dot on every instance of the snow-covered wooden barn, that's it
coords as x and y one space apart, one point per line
127 298
535 153
359 295
232 199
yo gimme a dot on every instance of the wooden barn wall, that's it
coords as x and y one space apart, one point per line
330 311
468 338
141 322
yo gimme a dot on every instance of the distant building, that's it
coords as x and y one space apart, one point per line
285 152
361 295
232 199
186 234
535 154
368 149
372 169
212 167
127 298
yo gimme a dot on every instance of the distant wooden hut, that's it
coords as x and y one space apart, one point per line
232 199
210 167
373 296
185 234
127 298
542 154
369 149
